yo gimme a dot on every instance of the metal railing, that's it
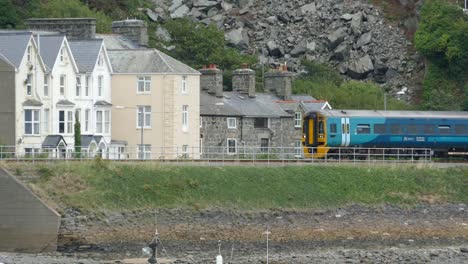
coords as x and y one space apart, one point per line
219 154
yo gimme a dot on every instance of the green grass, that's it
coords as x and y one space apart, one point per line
97 186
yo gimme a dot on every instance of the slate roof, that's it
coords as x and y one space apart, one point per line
311 106
86 53
50 48
52 141
65 103
147 61
86 140
13 46
117 42
236 104
31 102
102 103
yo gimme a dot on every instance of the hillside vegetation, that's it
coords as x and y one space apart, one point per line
101 185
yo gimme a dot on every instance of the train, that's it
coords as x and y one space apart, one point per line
328 131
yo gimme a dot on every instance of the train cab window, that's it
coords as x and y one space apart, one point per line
461 130
380 129
363 129
321 130
413 130
444 130
332 128
429 129
396 129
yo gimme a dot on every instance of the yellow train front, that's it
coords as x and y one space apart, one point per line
314 139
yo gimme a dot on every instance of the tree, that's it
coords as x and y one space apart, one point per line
77 136
9 17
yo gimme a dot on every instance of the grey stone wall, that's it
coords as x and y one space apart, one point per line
74 28
243 80
281 134
211 80
7 104
280 83
26 223
135 30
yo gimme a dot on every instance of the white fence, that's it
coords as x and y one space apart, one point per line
220 154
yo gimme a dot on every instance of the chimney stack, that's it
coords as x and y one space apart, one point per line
279 81
211 80
136 30
243 80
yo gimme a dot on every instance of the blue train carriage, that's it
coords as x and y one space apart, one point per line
446 133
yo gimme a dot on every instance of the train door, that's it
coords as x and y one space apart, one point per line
345 136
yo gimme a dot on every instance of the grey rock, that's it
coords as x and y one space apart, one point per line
356 23
152 15
245 3
273 49
335 38
308 9
341 53
163 35
204 3
464 250
226 6
271 19
311 46
364 39
298 50
212 12
347 17
180 12
197 14
360 68
238 38
175 4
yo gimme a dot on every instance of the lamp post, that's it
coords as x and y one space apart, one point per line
140 116
153 245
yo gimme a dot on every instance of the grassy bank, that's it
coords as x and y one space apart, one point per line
99 185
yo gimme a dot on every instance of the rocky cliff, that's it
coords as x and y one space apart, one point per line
353 36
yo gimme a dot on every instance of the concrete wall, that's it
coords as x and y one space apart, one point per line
7 104
26 223
74 28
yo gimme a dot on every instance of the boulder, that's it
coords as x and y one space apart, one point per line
308 9
212 12
163 35
365 39
356 23
180 12
245 3
335 38
360 68
298 50
204 3
175 4
341 53
347 17
274 50
152 15
311 46
238 38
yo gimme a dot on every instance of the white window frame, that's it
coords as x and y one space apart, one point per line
46 120
185 151
87 79
297 119
62 54
228 148
185 117
298 148
229 120
201 122
107 121
100 84
99 122
265 149
86 120
66 122
35 122
146 151
146 122
29 81
70 122
146 82
78 86
46 85
184 85
63 84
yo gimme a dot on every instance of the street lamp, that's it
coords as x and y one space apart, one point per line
140 116
150 250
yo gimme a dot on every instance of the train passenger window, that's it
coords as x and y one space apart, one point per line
380 129
413 129
363 129
461 130
429 129
444 130
321 131
396 129
332 128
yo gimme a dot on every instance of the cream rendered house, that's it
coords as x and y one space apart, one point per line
153 91
22 104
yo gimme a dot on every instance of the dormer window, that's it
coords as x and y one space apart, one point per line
29 55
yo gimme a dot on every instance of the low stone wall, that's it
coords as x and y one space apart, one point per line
26 223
